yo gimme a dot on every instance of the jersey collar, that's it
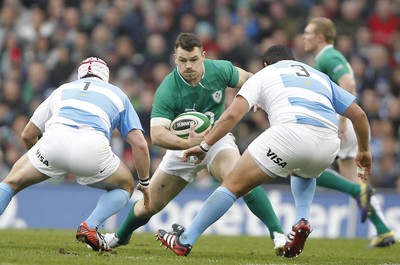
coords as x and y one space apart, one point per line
329 46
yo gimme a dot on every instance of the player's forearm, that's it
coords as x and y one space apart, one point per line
30 135
168 140
220 129
361 126
140 152
231 116
141 159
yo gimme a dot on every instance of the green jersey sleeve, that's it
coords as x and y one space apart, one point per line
227 71
333 64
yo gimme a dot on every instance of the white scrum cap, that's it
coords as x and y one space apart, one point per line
94 66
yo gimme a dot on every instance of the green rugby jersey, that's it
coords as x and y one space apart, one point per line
175 96
332 62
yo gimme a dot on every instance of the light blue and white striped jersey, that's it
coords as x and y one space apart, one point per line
293 92
90 103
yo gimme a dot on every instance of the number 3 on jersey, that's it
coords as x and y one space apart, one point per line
302 71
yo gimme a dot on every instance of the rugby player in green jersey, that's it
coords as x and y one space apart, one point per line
319 36
196 84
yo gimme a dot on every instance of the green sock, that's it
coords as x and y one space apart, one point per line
130 224
377 217
331 179
259 204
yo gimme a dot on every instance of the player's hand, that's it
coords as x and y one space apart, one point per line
146 195
194 151
196 138
364 164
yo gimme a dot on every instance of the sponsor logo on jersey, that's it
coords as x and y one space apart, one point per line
217 96
41 158
274 158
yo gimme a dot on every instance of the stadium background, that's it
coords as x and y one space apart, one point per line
42 43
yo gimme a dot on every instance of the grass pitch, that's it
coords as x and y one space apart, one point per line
59 247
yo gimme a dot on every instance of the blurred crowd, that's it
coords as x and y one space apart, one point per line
42 43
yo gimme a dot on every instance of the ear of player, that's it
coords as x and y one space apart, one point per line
181 124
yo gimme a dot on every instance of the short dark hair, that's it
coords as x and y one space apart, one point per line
188 41
277 53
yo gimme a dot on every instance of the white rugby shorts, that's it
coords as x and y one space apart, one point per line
348 145
86 153
172 163
307 150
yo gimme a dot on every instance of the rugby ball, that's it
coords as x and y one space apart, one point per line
181 124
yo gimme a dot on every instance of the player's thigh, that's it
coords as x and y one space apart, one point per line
348 168
224 162
222 157
245 176
164 187
121 179
24 174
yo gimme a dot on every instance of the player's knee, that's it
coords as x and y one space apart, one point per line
130 190
14 184
153 209
237 188
129 186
